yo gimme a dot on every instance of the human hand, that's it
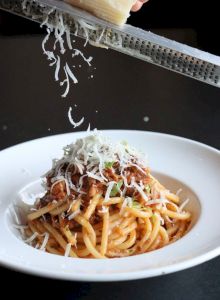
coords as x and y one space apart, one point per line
138 5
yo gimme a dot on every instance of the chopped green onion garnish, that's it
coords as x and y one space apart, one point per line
136 204
148 188
109 164
116 188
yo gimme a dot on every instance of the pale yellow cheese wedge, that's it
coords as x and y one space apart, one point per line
114 11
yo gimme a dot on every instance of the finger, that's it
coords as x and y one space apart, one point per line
138 5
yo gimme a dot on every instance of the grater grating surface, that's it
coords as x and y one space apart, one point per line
127 39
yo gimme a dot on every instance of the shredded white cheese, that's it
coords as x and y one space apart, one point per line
81 182
157 201
67 251
168 219
31 238
67 81
37 246
74 214
71 75
104 210
179 191
57 68
184 204
91 175
89 128
45 241
61 31
68 39
109 189
127 202
19 226
88 156
87 60
59 179
140 190
71 205
75 124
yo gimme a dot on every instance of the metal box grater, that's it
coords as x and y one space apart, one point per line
127 39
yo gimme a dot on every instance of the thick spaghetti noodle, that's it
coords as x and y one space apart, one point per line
102 202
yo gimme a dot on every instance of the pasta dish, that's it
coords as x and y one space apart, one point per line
101 201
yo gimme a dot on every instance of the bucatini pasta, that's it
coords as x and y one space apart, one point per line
101 201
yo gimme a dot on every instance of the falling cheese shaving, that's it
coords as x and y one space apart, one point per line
57 68
87 60
75 124
62 35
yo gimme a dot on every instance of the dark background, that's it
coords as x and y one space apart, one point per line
123 91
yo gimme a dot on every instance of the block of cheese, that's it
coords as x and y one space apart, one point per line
114 11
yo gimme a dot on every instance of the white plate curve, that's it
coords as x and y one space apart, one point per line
178 162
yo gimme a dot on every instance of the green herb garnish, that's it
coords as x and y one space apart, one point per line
109 164
148 188
136 204
116 188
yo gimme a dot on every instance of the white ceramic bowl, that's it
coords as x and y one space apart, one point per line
178 162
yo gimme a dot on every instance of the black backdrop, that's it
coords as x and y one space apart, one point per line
128 90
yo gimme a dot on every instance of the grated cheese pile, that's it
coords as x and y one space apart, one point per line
93 157
89 156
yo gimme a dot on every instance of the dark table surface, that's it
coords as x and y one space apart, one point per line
123 91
